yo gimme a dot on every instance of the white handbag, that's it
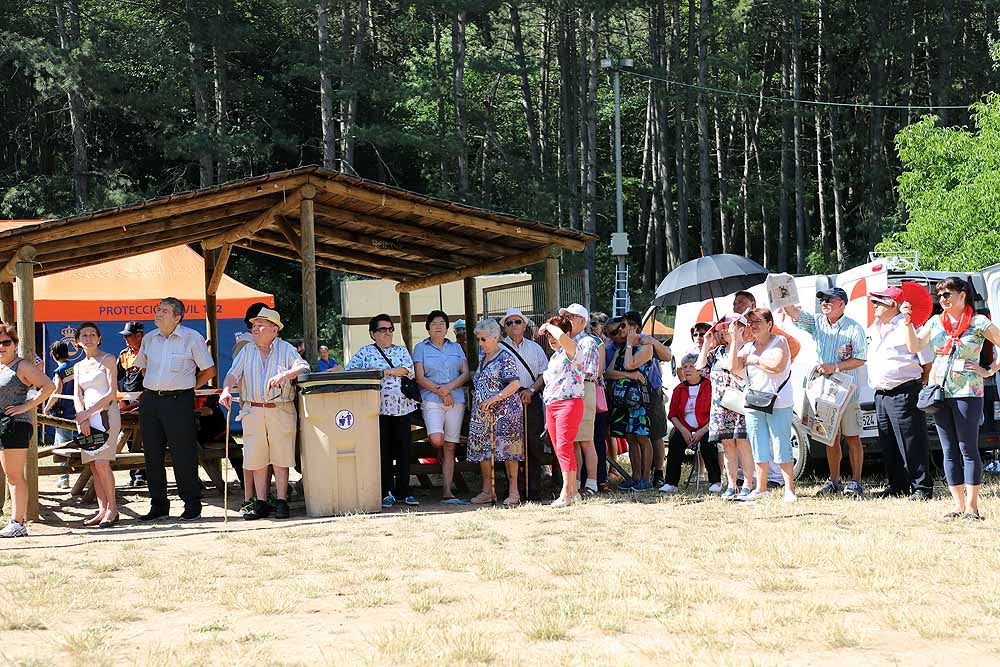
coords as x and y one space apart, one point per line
733 400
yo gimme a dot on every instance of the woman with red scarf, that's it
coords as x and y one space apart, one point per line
957 336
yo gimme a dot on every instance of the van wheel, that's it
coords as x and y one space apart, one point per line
801 446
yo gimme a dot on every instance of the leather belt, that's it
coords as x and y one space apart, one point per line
254 404
168 393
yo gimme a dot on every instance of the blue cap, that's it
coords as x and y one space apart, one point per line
459 324
832 293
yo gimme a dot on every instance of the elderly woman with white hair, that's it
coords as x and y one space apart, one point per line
496 424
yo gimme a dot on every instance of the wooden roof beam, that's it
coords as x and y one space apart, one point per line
505 264
219 270
377 243
357 257
470 246
289 233
401 205
257 245
150 211
25 253
265 219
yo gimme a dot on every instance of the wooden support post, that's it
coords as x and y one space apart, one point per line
406 320
25 274
7 303
211 317
471 315
310 321
551 286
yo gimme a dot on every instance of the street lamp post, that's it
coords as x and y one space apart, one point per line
619 240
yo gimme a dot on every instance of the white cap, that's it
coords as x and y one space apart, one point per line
575 309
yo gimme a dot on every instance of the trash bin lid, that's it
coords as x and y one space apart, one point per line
331 382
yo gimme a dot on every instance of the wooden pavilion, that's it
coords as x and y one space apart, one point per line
311 215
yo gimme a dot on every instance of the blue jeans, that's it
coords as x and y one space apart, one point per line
770 435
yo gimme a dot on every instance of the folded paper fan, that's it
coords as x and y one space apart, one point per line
921 302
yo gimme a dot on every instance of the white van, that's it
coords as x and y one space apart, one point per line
858 283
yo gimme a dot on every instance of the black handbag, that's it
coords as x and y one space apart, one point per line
407 385
630 393
763 401
931 398
90 443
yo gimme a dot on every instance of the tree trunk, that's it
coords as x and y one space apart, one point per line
69 39
543 107
522 70
875 164
591 71
458 56
441 122
348 136
569 131
221 86
802 245
661 142
704 178
783 213
199 91
681 150
645 225
824 234
838 228
326 85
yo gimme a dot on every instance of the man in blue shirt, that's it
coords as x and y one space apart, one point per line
841 347
326 362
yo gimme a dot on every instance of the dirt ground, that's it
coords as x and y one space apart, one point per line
621 579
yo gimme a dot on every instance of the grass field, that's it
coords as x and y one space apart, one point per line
679 580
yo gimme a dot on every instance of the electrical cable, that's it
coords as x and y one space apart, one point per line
774 98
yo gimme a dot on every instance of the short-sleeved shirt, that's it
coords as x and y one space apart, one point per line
326 364
252 371
655 375
959 383
64 406
890 362
129 375
393 404
835 343
563 378
172 362
588 351
441 365
534 357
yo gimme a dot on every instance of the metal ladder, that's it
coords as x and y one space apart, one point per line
621 300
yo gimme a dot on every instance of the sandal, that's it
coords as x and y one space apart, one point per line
482 499
511 501
94 520
107 522
952 515
452 500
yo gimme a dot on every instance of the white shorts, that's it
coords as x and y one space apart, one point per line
439 419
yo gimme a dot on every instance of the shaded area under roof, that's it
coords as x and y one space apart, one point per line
361 227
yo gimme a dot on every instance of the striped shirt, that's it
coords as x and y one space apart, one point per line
835 343
172 362
253 371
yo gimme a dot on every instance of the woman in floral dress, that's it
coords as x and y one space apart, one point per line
726 426
497 417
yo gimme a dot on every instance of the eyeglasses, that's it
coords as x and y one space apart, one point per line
698 334
756 320
385 329
944 295
513 323
6 342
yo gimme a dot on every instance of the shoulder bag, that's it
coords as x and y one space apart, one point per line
931 398
407 385
763 401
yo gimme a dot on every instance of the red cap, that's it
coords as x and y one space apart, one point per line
893 293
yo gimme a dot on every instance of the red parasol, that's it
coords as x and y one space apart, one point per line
920 300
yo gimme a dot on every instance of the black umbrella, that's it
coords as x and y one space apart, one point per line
707 278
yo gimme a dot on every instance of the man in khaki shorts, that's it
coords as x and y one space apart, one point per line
267 409
841 347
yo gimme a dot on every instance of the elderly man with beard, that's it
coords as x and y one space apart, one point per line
841 348
267 409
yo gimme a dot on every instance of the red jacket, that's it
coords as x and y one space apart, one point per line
702 404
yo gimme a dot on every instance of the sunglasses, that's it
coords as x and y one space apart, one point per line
945 295
513 323
385 329
482 339
6 342
698 334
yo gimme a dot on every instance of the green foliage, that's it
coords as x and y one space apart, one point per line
950 188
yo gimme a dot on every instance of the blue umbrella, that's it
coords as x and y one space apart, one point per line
708 277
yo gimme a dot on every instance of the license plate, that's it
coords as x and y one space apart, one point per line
866 420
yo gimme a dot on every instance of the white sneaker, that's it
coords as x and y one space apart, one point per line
563 502
790 497
14 529
63 482
715 488
750 497
668 488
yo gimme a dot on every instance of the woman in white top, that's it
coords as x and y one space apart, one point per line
765 362
95 396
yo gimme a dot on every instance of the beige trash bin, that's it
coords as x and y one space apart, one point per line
339 440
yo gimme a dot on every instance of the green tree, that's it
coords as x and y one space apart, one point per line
950 191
